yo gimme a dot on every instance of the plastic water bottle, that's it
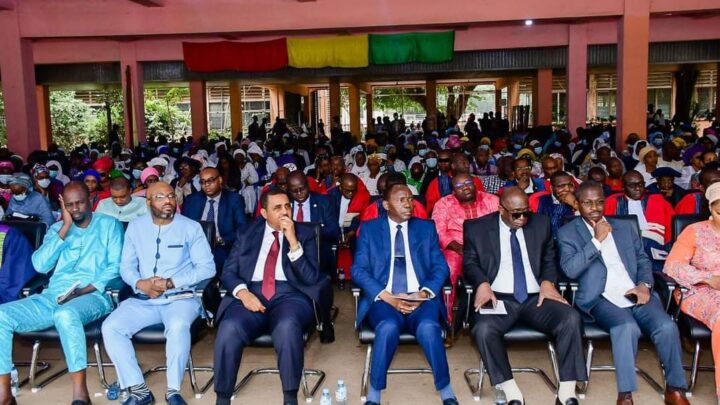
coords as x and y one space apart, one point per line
14 382
341 278
341 393
500 398
325 399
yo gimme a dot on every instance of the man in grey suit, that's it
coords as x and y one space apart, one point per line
615 280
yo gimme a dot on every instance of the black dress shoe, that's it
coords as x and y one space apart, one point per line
569 401
327 335
80 402
450 401
515 402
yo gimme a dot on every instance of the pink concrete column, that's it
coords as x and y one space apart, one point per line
133 91
717 90
44 120
632 69
198 108
277 102
543 97
18 87
354 96
577 77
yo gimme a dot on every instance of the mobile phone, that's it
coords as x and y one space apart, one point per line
488 305
632 297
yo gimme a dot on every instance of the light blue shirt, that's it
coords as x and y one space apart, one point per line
178 251
88 256
35 204
137 207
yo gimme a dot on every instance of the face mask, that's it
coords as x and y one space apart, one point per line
5 178
44 183
431 162
658 142
517 147
53 174
20 197
557 144
175 150
538 151
136 174
422 152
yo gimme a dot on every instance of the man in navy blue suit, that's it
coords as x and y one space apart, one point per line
401 270
226 209
313 207
272 277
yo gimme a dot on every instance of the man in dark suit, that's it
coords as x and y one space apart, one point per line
313 207
272 277
615 280
224 208
401 271
509 256
614 274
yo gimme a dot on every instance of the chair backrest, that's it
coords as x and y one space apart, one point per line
208 228
318 239
34 231
680 222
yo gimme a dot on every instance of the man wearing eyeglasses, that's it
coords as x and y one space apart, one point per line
653 212
449 214
607 258
510 257
219 206
522 170
559 204
165 255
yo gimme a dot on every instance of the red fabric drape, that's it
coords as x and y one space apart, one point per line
262 56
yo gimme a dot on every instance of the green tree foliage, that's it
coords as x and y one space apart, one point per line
162 115
71 120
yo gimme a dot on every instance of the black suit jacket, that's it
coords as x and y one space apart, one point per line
323 212
303 274
481 248
231 212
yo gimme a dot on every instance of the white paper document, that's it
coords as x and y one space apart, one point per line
498 310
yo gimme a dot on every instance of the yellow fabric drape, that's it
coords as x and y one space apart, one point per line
348 51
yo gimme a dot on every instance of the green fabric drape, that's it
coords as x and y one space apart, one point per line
426 47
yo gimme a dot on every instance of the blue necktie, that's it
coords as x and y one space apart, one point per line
211 212
399 281
519 283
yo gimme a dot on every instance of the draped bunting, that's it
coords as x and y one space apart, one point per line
262 56
347 51
338 51
426 47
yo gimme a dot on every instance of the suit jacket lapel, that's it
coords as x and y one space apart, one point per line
386 248
494 232
529 235
413 247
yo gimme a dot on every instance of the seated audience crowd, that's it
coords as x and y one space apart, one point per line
514 216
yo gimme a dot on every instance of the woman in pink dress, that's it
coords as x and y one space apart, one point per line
694 262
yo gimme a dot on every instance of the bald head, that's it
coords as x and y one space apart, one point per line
158 188
76 198
512 194
162 202
514 207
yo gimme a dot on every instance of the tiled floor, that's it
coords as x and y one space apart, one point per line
344 359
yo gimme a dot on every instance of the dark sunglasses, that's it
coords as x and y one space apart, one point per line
516 215
444 160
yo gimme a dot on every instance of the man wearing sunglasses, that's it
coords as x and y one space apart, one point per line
510 257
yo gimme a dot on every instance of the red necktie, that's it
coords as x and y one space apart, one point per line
268 284
300 215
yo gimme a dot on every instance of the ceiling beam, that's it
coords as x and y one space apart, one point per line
150 3
6 5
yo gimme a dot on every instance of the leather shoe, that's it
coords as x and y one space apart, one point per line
625 400
222 401
175 399
675 397
327 335
515 402
451 401
80 402
371 403
146 400
569 401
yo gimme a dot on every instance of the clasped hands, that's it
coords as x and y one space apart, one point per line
403 306
154 287
548 291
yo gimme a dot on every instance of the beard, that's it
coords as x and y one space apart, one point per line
158 213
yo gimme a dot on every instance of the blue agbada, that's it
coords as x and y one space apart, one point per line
86 256
17 268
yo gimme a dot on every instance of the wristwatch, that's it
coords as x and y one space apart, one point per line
169 285
648 285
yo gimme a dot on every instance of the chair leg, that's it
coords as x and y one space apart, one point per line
365 375
197 390
695 366
309 392
554 362
475 388
583 388
100 365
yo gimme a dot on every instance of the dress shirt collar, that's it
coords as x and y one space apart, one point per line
393 224
216 198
